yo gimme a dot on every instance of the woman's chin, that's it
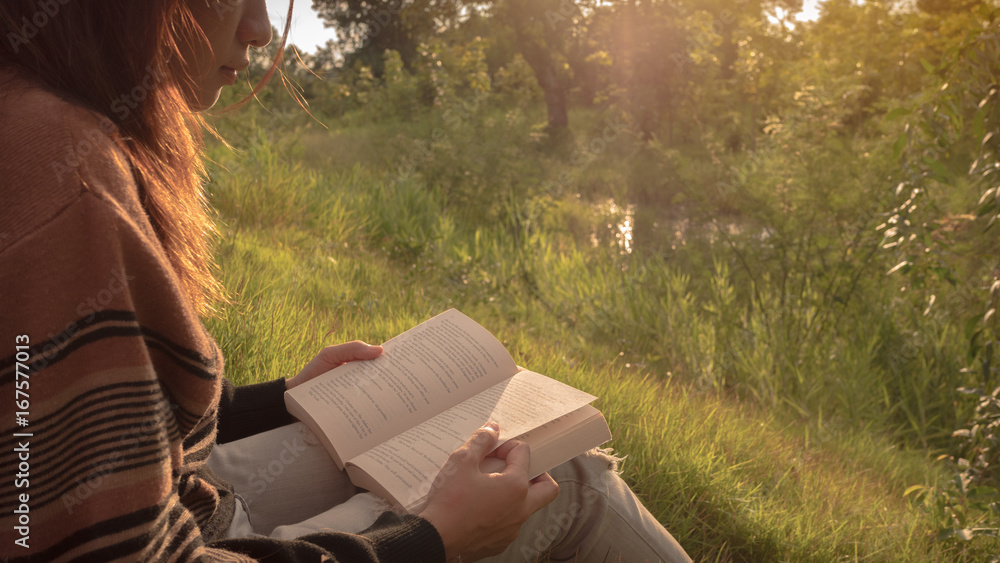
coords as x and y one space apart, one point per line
204 99
208 99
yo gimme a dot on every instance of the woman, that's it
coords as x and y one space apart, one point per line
117 388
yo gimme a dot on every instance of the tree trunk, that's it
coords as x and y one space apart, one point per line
527 19
547 75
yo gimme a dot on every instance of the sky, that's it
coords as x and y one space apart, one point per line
309 34
307 30
810 11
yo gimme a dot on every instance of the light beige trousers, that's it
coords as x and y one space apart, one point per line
288 486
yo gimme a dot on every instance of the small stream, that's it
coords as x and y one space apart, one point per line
620 229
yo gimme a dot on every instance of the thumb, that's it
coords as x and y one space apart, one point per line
483 441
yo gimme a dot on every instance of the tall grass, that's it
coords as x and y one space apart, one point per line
749 438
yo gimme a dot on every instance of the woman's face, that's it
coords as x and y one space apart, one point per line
231 27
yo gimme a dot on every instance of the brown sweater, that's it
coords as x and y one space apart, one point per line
103 356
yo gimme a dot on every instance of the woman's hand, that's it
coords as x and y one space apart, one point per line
478 514
333 356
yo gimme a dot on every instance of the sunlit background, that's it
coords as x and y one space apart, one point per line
308 32
768 246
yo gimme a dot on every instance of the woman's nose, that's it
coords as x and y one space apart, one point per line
255 27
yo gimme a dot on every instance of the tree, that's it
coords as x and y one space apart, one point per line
368 28
540 26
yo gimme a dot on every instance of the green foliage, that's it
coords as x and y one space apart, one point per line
404 217
796 218
398 96
516 84
940 235
367 29
968 506
731 480
647 66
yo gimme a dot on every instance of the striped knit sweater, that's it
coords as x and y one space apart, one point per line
109 384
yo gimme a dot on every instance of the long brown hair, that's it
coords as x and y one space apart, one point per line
120 59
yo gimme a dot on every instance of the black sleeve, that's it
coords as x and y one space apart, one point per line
392 538
251 409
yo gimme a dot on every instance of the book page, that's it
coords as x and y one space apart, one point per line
565 437
406 465
421 372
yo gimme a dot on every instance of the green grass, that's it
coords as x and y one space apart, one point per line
739 461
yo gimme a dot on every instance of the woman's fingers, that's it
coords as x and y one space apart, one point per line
478 513
336 355
505 448
542 491
333 356
517 458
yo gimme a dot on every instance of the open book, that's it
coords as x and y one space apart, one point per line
392 422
